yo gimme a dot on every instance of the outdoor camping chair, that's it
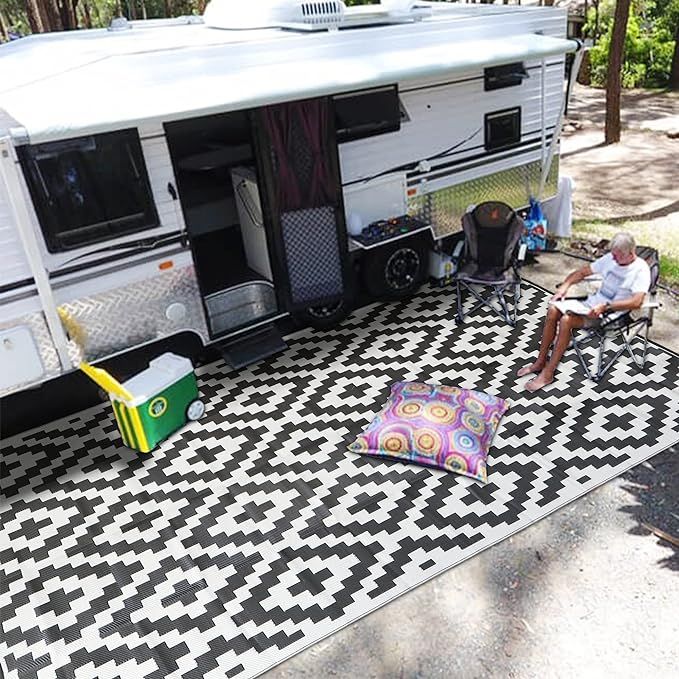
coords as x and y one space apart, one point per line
626 327
488 260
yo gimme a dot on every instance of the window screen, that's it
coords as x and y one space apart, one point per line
367 113
89 189
503 128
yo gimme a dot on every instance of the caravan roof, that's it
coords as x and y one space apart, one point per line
63 85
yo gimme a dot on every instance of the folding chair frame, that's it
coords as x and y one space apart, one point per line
627 329
497 290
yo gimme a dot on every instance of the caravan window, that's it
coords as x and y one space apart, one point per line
502 128
89 189
367 113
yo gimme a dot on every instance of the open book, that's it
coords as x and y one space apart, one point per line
571 306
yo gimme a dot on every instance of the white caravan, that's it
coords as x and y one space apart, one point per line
221 174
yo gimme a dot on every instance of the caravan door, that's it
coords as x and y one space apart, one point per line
300 180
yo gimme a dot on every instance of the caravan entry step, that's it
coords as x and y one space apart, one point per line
252 347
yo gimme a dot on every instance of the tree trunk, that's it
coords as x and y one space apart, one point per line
614 76
166 7
67 13
34 18
51 16
674 69
4 28
86 14
143 9
45 14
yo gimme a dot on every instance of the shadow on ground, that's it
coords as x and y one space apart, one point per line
655 487
637 107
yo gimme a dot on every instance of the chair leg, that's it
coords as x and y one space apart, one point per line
639 362
600 357
495 301
517 299
581 357
500 293
602 367
460 315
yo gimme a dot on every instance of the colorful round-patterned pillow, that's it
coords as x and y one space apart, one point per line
435 425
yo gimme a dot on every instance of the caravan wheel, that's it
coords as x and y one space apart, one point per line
325 316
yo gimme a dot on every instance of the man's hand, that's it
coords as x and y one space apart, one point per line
561 292
596 311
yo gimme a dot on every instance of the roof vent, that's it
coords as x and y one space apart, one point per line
309 15
327 14
243 14
119 24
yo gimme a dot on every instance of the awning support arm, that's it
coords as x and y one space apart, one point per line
547 165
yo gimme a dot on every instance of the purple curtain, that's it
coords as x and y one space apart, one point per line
278 122
314 118
311 118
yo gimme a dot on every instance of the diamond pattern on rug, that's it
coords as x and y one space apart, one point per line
253 533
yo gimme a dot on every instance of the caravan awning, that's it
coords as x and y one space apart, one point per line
152 83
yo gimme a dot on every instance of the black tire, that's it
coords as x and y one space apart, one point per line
326 316
396 270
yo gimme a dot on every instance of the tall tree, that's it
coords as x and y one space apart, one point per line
35 16
671 19
674 68
614 77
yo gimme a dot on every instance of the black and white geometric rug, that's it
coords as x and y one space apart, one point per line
253 533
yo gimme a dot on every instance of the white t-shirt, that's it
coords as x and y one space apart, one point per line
619 282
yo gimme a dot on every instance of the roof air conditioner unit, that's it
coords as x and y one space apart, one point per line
244 14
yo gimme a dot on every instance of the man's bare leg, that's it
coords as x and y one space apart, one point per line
548 334
567 324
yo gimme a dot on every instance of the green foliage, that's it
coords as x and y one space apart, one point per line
666 241
649 42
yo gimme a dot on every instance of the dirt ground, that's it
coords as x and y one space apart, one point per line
636 180
587 591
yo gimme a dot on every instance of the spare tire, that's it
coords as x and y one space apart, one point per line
397 269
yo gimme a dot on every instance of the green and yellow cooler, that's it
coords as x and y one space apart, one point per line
154 403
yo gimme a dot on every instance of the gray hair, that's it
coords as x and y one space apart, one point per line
624 242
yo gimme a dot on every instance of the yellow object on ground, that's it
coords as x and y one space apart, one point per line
153 403
106 381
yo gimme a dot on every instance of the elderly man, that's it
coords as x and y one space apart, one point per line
626 280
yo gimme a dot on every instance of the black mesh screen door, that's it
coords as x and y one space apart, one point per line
303 200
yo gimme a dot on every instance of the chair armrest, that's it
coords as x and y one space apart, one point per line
457 252
592 278
523 248
650 305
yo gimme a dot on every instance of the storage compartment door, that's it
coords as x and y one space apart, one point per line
302 201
